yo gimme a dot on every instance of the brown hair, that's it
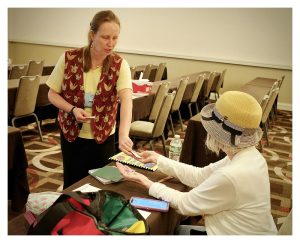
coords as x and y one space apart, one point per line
99 18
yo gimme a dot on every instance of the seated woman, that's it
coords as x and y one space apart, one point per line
233 194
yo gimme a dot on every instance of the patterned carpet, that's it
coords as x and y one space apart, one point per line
45 162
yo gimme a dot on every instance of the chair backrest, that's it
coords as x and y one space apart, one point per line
132 70
197 88
211 79
159 97
280 81
163 115
287 226
147 71
179 94
18 71
274 86
26 95
35 68
160 71
221 80
264 102
269 105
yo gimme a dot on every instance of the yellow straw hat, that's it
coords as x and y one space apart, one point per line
234 119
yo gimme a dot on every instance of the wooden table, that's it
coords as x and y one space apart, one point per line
194 150
159 223
18 188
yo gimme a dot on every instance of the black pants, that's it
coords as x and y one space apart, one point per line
83 155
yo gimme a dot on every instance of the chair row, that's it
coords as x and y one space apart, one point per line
146 70
33 68
164 105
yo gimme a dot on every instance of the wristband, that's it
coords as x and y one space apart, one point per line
71 111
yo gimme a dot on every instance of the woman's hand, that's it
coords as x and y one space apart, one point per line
131 175
125 144
80 115
148 157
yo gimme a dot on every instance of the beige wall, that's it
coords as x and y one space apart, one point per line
236 75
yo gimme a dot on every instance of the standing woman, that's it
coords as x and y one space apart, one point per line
85 85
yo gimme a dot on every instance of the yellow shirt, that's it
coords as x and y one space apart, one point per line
90 82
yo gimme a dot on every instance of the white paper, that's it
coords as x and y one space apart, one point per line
135 154
87 188
144 213
141 75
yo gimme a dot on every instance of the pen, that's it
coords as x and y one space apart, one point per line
165 179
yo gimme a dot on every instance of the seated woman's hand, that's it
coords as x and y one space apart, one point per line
131 175
148 157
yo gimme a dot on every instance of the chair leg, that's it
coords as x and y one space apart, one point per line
38 124
190 109
13 122
151 145
180 119
197 108
164 144
266 133
172 127
41 124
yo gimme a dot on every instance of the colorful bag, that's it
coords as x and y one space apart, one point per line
94 213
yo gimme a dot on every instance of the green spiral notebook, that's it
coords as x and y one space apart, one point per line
128 160
107 174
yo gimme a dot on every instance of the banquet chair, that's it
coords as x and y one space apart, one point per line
264 102
35 68
151 130
26 99
215 90
210 81
18 71
159 97
263 105
177 102
280 81
266 113
196 92
133 72
147 71
138 71
160 71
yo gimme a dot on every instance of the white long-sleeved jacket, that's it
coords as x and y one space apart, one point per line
234 195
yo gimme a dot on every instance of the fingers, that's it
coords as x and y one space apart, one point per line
148 156
125 145
81 115
121 168
124 168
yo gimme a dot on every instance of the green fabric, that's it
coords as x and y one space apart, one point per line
114 207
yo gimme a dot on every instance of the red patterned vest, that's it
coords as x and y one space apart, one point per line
105 104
